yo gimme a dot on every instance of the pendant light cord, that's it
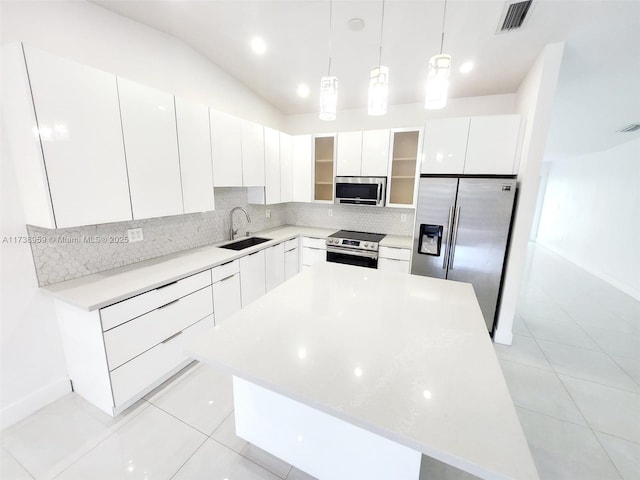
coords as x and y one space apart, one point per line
330 32
381 30
444 16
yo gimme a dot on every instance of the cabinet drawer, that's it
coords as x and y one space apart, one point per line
114 315
314 242
225 270
290 244
134 337
395 253
393 265
311 256
140 375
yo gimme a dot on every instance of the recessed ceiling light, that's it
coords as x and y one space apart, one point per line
466 67
303 90
258 46
355 24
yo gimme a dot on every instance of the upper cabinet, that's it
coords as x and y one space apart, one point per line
196 167
150 141
72 171
272 165
486 145
226 144
252 155
362 153
405 151
493 145
286 168
323 155
302 168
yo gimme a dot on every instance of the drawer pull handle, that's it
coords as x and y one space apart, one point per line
170 303
227 278
167 285
226 263
171 337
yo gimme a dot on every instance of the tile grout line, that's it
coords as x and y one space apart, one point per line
251 460
7 452
189 458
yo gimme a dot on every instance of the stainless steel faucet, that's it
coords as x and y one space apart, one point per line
232 232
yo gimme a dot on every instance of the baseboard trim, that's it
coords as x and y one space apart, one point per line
503 337
33 402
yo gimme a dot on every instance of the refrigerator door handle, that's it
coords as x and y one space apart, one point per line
456 224
447 246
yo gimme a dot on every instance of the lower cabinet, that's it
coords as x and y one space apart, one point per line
252 277
314 250
392 259
226 290
291 258
274 266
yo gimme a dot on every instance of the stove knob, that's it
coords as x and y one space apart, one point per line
366 245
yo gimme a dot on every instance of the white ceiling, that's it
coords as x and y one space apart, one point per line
297 35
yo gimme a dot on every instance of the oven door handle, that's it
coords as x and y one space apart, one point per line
355 253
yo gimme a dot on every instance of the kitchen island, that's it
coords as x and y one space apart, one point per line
348 372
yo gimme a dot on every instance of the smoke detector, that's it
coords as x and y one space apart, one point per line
355 24
514 15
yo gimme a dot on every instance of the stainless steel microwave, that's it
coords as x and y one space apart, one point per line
361 191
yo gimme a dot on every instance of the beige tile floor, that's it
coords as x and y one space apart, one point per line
573 372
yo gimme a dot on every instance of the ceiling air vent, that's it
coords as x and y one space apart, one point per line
514 15
632 127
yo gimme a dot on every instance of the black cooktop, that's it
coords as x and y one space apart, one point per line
363 236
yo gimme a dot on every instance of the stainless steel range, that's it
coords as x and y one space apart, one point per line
354 248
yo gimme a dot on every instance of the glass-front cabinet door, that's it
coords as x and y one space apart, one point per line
405 152
324 155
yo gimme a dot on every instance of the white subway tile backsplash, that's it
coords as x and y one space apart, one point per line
69 253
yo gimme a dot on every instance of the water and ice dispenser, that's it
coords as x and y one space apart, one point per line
430 239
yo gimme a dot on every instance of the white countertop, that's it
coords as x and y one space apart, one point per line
105 288
403 356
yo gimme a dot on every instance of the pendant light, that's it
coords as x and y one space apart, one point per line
329 85
379 81
438 76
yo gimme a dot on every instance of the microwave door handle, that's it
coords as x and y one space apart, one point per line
379 198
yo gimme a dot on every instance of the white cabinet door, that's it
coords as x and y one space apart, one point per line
445 145
311 256
349 154
196 166
375 153
274 266
226 145
291 263
226 297
79 123
302 168
493 144
393 265
272 166
286 168
151 146
252 277
252 154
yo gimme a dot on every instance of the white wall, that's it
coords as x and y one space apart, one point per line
32 367
534 100
591 214
89 34
406 115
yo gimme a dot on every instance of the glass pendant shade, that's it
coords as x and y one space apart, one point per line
328 98
378 90
437 82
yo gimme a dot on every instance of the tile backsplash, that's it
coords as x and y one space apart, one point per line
69 253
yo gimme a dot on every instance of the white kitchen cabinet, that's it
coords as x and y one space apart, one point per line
403 166
349 154
252 277
493 145
274 266
291 258
252 155
151 147
302 164
393 259
196 165
272 166
82 178
375 153
226 145
445 145
286 168
226 290
314 250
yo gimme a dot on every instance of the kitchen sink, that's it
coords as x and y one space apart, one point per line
245 243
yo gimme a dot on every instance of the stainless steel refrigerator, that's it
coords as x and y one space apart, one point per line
462 232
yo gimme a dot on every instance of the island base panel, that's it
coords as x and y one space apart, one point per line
315 442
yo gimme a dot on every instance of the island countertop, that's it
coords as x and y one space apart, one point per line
402 356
